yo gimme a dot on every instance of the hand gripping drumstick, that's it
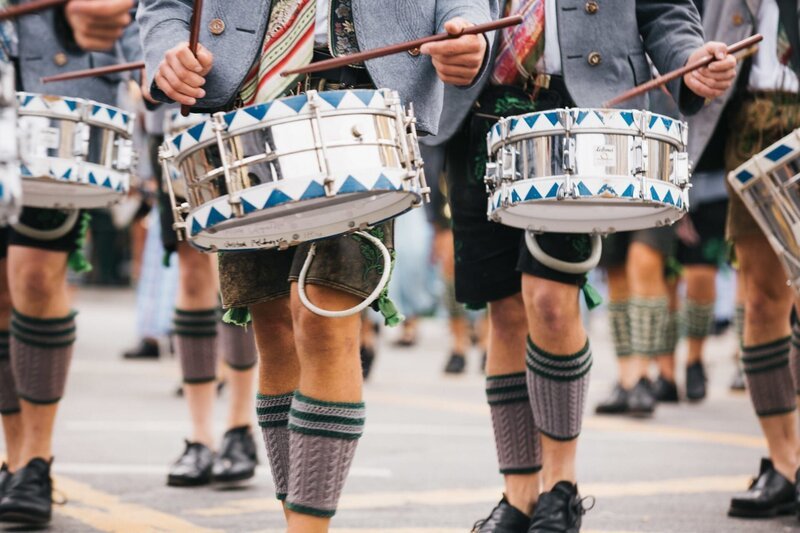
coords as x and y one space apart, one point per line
679 73
194 39
402 47
30 7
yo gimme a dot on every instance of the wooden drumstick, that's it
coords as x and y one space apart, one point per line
194 40
679 73
92 72
30 7
408 46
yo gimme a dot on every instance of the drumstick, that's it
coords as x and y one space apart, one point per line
359 57
679 73
30 7
92 72
194 40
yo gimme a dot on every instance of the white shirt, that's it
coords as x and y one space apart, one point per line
768 74
321 27
550 63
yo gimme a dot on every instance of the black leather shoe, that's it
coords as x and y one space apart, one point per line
641 400
769 495
193 468
558 511
615 404
504 518
665 391
696 382
738 383
5 479
456 364
237 457
367 358
147 349
29 495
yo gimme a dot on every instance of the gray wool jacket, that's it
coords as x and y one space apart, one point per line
621 32
165 23
46 47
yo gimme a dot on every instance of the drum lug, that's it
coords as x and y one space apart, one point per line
680 167
80 146
569 155
126 157
236 205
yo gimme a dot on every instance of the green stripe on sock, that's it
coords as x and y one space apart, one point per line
302 509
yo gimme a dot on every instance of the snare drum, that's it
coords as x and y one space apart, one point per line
10 186
768 186
74 153
587 171
174 124
297 169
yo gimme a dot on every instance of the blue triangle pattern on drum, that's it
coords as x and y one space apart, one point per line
581 115
515 197
229 117
553 192
530 120
67 175
295 102
71 104
552 117
214 217
627 116
679 203
654 194
27 100
384 184
258 112
107 183
196 227
607 189
499 201
352 185
629 192
333 97
177 141
583 189
668 198
513 123
778 153
111 112
533 194
314 190
364 95
653 121
277 197
96 109
196 131
125 118
120 187
667 122
247 207
92 178
25 171
744 176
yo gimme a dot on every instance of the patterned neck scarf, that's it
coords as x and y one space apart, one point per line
8 37
521 46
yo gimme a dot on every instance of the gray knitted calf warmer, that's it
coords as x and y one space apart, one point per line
322 443
738 323
196 344
620 327
769 377
649 321
670 336
557 385
238 346
9 403
273 419
519 449
699 319
41 351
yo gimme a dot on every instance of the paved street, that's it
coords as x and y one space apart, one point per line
426 463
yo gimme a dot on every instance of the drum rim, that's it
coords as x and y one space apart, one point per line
79 115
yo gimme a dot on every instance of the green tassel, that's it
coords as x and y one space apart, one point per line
238 316
391 316
77 259
591 296
167 259
673 269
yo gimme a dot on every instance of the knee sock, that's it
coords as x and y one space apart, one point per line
519 449
322 443
273 418
557 386
669 339
9 403
738 323
196 344
769 377
41 351
794 353
238 346
649 318
620 327
699 319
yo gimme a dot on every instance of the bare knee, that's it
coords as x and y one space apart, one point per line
507 318
197 279
553 306
38 281
316 334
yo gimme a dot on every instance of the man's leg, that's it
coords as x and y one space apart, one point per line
701 296
518 442
9 402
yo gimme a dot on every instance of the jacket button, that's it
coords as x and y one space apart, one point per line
414 52
216 26
592 7
60 59
594 59
738 19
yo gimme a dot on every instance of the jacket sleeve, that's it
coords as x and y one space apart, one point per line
671 30
163 24
475 11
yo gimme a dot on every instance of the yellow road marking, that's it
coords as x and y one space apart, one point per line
108 513
456 497
594 423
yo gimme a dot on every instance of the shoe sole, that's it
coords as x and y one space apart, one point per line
180 482
18 517
233 480
786 509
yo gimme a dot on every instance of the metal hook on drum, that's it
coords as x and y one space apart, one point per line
387 272
565 266
49 234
